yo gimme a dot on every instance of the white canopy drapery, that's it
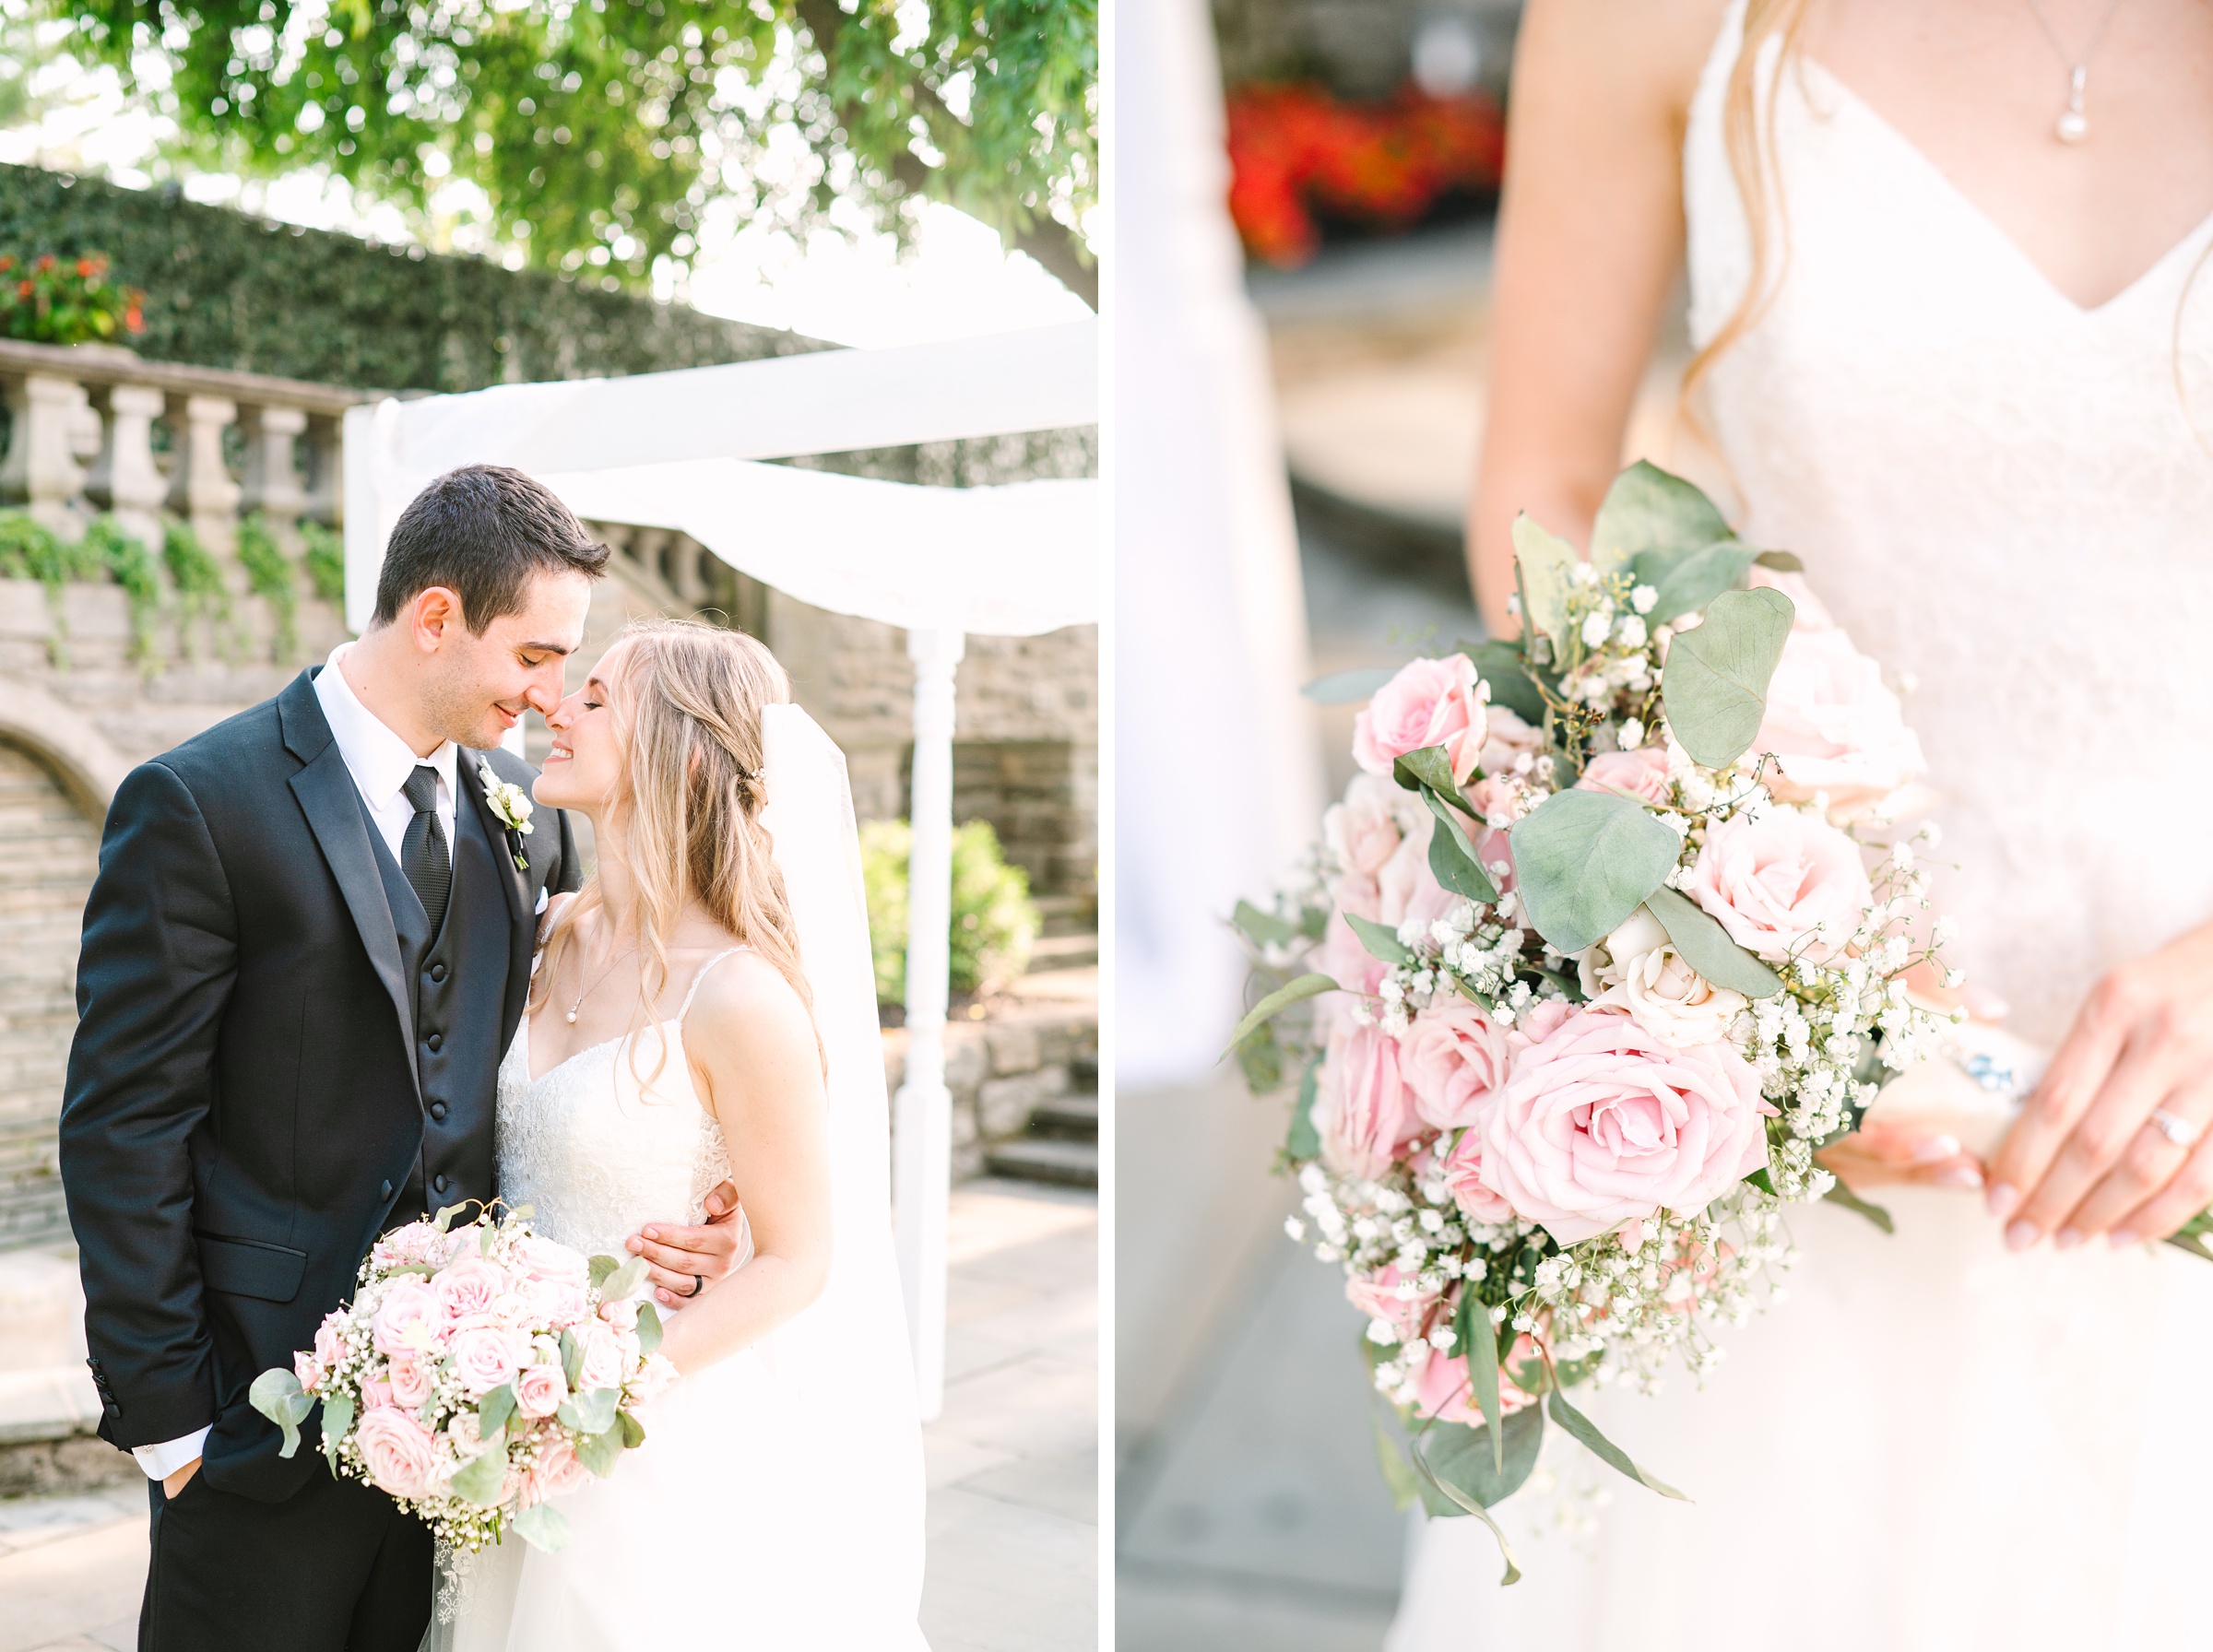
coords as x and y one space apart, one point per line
682 450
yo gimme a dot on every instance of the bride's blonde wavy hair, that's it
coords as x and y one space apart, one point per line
688 700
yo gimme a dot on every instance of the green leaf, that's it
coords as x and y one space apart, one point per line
1281 1000
1405 1490
1705 947
1760 1179
1466 1505
494 1410
592 1412
650 1328
1261 927
1349 688
1463 1457
1501 666
1381 939
480 1480
1782 562
1842 1194
1452 855
1427 769
600 1267
1471 1326
1547 565
542 1526
445 1217
633 1431
1715 682
1583 861
1305 1140
1583 1429
337 1417
1689 580
623 1281
571 1358
1647 509
599 1452
276 1393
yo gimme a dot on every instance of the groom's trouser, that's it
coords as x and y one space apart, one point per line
337 1567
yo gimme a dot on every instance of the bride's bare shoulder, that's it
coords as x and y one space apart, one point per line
1649 52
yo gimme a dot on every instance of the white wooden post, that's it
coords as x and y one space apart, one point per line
922 1158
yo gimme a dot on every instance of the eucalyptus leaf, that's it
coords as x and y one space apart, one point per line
1381 939
494 1410
1842 1194
338 1417
1466 1505
1547 563
599 1452
1405 1490
1583 861
623 1281
1261 929
523 1213
444 1217
1452 857
1688 581
1715 682
1281 1000
1501 666
591 1412
1463 1458
633 1431
600 1267
1349 688
1583 1429
542 1526
571 1358
1429 768
650 1328
1648 509
1704 945
1479 1348
481 1478
1305 1141
1782 562
276 1393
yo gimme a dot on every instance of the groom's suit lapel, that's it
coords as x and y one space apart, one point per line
521 921
330 801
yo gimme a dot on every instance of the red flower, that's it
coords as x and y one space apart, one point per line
46 262
23 290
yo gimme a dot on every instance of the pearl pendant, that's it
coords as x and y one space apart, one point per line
572 1018
2072 127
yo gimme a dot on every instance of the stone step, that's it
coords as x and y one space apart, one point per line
1063 952
1041 1159
1067 914
1072 1117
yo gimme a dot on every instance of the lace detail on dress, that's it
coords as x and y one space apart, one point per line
2002 496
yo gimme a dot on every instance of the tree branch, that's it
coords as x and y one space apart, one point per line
1062 252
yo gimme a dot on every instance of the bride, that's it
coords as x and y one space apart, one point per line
1944 266
705 1007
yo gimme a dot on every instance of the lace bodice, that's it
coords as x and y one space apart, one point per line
596 1152
2007 499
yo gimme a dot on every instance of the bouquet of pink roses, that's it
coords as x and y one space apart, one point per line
478 1373
1605 941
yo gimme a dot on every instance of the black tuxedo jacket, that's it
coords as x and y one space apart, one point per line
245 1104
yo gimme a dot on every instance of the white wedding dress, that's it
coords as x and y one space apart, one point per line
1934 1443
777 1500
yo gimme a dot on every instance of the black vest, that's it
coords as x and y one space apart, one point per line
460 985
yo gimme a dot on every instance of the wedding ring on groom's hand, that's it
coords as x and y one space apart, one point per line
699 1283
2180 1131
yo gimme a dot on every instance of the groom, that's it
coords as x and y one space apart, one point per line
308 946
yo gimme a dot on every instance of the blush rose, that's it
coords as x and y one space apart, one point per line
397 1451
539 1391
1641 775
1453 1057
1362 1109
1430 703
1835 726
1393 1296
1782 883
410 1316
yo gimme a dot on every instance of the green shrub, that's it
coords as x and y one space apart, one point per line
131 565
270 574
324 560
994 920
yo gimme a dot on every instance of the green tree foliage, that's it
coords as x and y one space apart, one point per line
994 921
599 130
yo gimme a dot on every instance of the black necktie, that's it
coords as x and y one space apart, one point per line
423 853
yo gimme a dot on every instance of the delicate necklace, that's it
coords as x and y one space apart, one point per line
2074 126
604 974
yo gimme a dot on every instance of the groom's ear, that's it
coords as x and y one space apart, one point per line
433 614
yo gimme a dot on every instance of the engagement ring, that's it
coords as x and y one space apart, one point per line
2180 1131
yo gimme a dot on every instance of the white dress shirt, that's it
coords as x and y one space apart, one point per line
380 762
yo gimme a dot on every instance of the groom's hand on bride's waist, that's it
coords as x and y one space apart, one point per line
686 1262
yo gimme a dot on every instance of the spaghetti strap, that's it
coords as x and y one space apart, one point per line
701 975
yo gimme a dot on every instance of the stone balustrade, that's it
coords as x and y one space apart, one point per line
81 442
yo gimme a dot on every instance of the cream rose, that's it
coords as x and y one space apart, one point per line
1637 969
1783 883
1363 1110
1364 830
397 1451
1453 1057
1834 726
1602 1123
543 1258
1430 703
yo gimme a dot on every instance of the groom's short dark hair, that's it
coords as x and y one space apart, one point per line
481 532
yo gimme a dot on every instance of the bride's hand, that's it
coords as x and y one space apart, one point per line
2110 1142
1886 1155
687 1262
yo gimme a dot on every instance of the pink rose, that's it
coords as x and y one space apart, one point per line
1444 1391
409 1316
1391 1295
541 1258
485 1357
309 1371
1834 726
1507 741
1453 1057
1363 830
656 1372
1601 1123
1406 888
1810 613
468 1287
411 1383
1462 1171
398 1452
1498 801
559 1301
1538 1022
1345 957
622 1314
330 1347
557 1470
540 1391
415 1243
602 1366
376 1392
1363 1109
1430 703
1783 883
1641 775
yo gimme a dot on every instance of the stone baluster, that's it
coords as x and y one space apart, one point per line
646 551
688 574
126 477
41 471
200 489
326 471
272 484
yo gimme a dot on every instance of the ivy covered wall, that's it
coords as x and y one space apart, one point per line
225 290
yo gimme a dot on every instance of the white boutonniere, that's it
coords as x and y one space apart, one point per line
512 805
